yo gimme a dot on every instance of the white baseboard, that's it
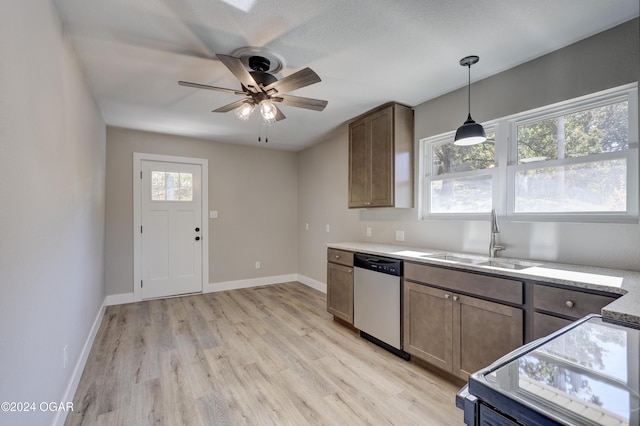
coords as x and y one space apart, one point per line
70 391
119 299
253 282
310 282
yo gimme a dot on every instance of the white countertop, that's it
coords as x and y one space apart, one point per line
617 281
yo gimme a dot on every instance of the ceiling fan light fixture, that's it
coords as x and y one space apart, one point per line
268 111
243 112
470 133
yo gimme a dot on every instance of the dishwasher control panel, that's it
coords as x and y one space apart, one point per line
380 264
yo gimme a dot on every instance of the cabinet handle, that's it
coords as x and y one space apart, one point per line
569 304
456 298
337 256
446 296
350 270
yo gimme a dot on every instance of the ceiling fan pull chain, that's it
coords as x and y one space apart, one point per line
259 132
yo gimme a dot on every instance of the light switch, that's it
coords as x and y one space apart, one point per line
399 235
328 228
368 231
306 226
213 214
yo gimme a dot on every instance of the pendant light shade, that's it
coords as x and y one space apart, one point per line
470 133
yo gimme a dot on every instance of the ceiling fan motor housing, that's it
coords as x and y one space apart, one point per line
263 78
259 63
259 66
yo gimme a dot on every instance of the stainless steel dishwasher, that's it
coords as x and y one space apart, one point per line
377 301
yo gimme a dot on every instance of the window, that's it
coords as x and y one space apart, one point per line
460 179
171 186
577 160
573 161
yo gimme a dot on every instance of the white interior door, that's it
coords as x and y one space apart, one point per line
171 229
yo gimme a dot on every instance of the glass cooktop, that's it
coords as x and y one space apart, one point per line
588 375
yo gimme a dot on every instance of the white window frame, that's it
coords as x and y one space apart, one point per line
506 162
627 93
426 169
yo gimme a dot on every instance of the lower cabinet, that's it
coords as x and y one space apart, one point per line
558 307
544 324
340 291
459 334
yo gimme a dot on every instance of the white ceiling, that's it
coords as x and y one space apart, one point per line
367 52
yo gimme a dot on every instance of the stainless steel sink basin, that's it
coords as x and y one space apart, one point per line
508 264
456 258
482 261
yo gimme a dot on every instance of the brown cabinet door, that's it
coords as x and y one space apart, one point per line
382 174
544 324
340 291
359 164
428 323
483 331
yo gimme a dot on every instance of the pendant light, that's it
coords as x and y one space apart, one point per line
470 133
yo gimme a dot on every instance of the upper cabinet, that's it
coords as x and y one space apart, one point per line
381 158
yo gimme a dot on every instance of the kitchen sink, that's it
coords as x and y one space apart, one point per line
482 261
474 260
508 264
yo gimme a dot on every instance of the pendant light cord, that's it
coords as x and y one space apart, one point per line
469 90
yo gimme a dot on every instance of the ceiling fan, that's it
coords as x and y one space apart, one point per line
261 88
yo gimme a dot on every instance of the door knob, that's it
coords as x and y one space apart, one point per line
197 229
197 238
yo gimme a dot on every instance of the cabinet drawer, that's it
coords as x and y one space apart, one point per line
544 324
340 256
571 303
481 285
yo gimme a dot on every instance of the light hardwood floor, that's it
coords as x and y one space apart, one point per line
266 355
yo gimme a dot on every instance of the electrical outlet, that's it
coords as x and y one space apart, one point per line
306 226
65 357
328 228
368 231
399 235
258 264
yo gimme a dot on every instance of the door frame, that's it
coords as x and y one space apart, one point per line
138 158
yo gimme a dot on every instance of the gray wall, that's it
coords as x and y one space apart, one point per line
52 158
605 60
254 190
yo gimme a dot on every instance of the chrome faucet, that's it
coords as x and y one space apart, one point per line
495 229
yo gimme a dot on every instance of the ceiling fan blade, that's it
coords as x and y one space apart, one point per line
231 106
299 79
236 67
279 115
204 86
297 101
